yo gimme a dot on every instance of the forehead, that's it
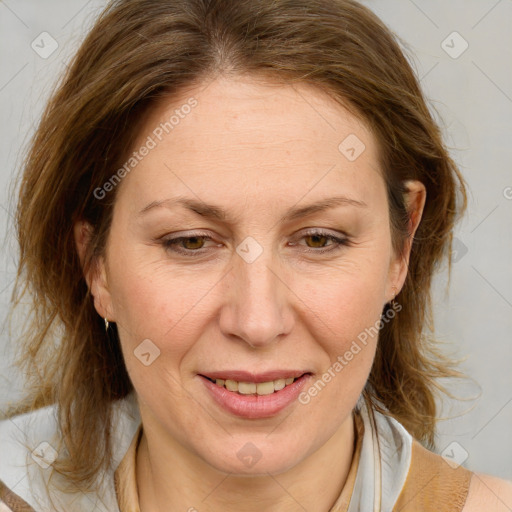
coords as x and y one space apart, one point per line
243 135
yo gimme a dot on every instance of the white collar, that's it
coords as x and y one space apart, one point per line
21 469
384 462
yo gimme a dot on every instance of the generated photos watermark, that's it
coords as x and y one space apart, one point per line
156 136
344 360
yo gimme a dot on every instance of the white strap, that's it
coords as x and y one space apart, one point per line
384 462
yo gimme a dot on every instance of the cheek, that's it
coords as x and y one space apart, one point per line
159 323
345 309
346 327
160 303
347 299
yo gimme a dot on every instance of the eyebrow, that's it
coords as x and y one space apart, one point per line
215 212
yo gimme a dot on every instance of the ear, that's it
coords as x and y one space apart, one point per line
415 197
96 274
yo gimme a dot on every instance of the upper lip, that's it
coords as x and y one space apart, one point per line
244 376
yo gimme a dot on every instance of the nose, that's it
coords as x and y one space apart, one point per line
257 306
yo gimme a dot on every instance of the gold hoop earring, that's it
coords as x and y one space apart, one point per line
110 331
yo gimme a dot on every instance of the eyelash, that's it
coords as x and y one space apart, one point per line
172 243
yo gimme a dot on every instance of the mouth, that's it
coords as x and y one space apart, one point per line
251 396
259 385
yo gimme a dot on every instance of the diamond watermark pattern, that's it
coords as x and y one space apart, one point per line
249 454
459 249
44 45
44 454
352 147
454 45
146 352
454 454
249 250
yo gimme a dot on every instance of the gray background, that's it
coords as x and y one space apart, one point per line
472 96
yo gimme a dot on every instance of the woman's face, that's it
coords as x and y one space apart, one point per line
220 261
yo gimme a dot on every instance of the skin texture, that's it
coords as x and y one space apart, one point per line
255 150
488 492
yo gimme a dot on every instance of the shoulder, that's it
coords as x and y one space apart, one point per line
30 444
26 445
11 502
433 483
488 493
21 437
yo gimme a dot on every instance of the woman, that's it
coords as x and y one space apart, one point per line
230 216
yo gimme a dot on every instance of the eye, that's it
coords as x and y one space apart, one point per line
186 245
194 245
318 238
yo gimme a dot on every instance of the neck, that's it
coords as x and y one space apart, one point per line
172 475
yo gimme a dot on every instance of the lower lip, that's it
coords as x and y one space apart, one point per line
256 406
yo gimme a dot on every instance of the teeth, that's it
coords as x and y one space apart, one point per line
246 388
279 384
251 388
231 385
264 388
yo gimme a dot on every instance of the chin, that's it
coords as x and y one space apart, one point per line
254 458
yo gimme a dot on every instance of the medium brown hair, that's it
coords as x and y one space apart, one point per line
142 50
